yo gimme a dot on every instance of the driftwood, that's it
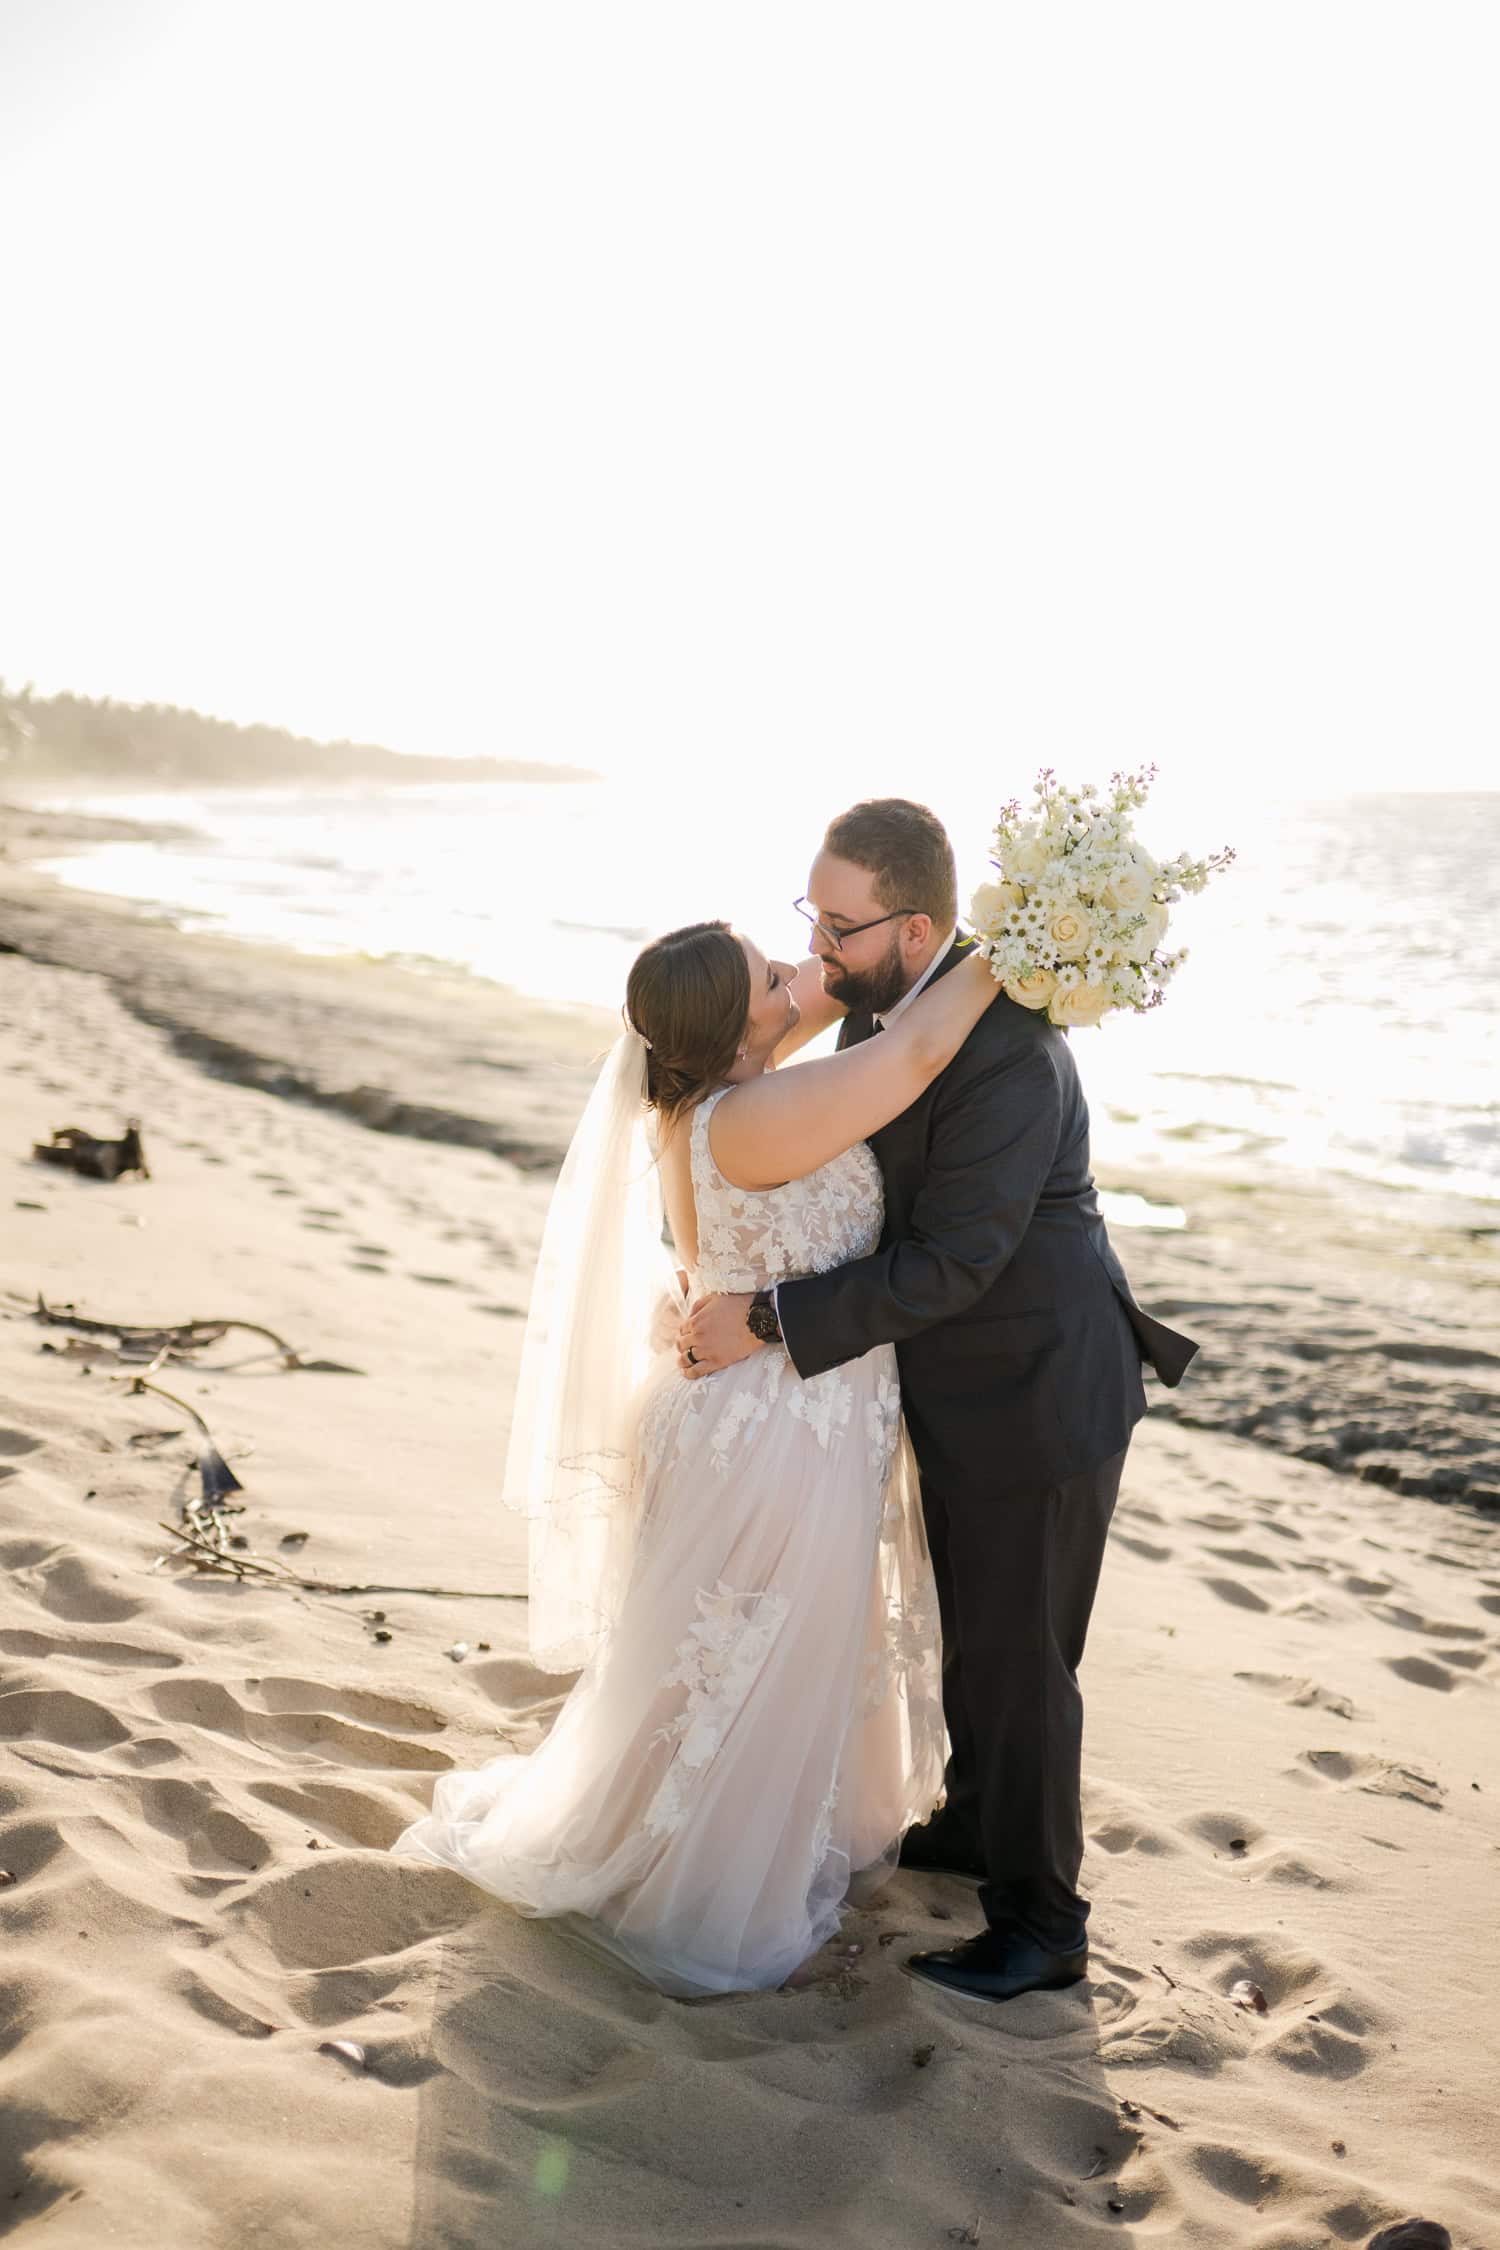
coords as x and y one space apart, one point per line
218 1478
136 1342
95 1159
204 1531
208 1557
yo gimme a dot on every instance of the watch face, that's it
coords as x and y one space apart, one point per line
762 1323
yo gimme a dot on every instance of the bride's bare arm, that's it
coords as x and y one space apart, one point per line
818 1010
784 1124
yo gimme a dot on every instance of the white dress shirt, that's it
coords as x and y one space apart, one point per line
906 999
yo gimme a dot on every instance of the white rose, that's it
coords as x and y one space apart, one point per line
1032 991
1130 886
1081 1004
992 901
1071 933
1143 942
1026 860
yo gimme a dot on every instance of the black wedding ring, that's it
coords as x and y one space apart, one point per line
691 1356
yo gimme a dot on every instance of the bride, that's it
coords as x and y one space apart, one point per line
735 1566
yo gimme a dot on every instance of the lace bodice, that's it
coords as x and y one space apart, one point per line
751 1238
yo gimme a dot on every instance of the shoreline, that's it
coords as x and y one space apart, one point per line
433 1054
1354 1331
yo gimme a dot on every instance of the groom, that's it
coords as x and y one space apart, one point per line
1020 1349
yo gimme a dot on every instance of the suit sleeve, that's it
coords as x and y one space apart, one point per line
994 1140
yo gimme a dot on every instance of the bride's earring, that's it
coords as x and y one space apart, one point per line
744 1051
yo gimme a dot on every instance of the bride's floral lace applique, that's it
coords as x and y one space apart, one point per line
883 1421
745 1410
750 1239
906 1656
718 1663
657 1426
823 1828
824 1403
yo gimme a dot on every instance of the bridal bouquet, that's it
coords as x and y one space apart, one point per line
1077 919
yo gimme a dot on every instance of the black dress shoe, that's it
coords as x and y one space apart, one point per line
999 1964
927 1851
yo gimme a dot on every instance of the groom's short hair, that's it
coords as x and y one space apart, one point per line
906 848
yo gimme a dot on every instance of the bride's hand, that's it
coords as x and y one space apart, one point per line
715 1336
667 1313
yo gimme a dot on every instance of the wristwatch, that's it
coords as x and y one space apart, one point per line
761 1318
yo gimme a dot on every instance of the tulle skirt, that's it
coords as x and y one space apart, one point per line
764 1717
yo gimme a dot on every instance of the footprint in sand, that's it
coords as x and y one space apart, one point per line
1132 1836
244 2017
1377 1777
1222 1831
280 1693
1421 1673
1312 2023
15 1444
1240 1597
1434 1628
1248 1558
122 1655
1303 1694
339 1813
1138 1511
1144 1547
57 1715
1240 1844
1297 2191
339 1910
30 1845
1244 2179
65 1583
214 1841
303 1720
74 1588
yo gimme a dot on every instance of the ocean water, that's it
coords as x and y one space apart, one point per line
1338 1013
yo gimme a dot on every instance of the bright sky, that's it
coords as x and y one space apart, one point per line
811 390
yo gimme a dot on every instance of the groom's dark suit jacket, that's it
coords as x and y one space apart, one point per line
1019 1342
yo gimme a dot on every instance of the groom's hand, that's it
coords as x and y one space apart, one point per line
715 1336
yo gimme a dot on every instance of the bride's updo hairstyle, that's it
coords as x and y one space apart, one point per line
688 996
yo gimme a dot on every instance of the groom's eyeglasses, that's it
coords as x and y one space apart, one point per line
836 938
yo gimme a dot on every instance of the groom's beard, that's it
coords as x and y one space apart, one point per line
870 991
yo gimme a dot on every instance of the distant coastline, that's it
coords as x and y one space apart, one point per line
84 742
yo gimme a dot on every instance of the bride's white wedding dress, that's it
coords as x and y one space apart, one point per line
763 1718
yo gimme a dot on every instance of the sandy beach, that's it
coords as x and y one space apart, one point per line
1291 1773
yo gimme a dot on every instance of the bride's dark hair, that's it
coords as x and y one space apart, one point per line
688 995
